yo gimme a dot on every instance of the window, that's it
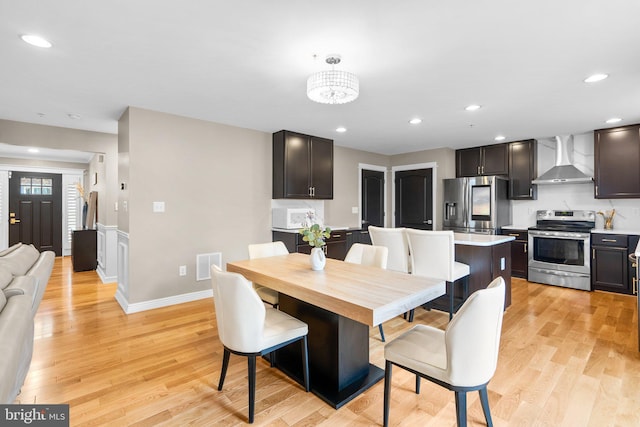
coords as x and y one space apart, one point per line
36 186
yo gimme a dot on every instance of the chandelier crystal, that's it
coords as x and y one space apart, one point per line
333 86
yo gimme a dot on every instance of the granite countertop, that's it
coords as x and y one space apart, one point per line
472 239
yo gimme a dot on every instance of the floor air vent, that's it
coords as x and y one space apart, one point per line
204 263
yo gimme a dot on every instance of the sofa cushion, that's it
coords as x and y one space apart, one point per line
10 249
19 261
5 277
23 285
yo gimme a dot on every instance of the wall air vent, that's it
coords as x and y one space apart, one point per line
204 263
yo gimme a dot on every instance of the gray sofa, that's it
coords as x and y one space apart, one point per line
24 274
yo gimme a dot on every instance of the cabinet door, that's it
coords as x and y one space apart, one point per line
468 162
617 156
495 160
522 170
609 269
322 168
297 166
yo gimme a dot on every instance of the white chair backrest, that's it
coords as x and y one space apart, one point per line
263 250
395 240
432 253
473 336
240 314
374 256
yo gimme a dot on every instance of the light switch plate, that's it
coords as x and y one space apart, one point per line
158 206
354 210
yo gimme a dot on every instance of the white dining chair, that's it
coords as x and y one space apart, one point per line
395 240
263 250
433 255
461 358
248 328
373 256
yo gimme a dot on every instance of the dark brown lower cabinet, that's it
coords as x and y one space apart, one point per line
519 255
336 245
84 244
609 263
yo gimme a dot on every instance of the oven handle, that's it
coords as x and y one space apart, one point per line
561 273
556 235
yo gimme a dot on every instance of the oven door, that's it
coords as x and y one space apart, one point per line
561 251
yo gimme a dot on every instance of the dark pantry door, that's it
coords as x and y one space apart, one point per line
372 198
35 210
414 199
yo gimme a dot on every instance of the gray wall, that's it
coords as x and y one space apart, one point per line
27 134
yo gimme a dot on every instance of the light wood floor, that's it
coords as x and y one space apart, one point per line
566 358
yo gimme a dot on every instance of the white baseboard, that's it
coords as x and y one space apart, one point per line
105 278
161 302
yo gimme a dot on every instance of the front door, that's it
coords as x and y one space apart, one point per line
35 210
372 198
414 199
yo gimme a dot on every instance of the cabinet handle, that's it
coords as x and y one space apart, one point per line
313 191
478 170
364 232
635 286
610 240
525 248
514 234
336 235
483 169
530 192
596 191
593 253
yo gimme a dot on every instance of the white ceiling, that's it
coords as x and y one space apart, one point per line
246 64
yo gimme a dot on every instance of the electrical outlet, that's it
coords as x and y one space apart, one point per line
354 210
182 270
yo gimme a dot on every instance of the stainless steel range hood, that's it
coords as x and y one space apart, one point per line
564 172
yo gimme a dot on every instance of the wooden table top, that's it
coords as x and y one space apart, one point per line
365 294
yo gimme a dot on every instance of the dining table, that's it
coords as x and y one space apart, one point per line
340 304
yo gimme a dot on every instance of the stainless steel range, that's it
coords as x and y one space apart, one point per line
559 248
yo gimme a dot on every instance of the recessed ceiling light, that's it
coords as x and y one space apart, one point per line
34 40
595 78
33 150
341 129
614 120
472 107
499 138
415 121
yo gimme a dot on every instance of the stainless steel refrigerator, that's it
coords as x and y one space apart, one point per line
476 204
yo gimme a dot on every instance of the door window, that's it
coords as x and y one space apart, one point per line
31 186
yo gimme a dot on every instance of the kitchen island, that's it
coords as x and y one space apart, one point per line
488 256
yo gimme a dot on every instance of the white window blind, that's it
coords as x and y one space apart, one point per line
72 202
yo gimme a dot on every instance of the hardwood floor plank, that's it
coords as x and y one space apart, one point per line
567 357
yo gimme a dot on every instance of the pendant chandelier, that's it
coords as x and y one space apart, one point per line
333 86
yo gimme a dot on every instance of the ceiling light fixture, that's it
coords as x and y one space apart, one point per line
499 138
614 120
473 107
333 86
34 40
33 150
341 129
596 78
415 121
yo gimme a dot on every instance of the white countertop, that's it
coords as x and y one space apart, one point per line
472 239
516 227
616 231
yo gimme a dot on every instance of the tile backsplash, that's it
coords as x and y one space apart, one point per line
574 196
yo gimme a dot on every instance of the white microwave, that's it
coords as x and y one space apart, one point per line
290 218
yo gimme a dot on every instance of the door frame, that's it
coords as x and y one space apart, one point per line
365 166
68 176
434 179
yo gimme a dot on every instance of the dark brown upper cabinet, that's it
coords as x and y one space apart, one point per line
485 160
523 168
302 166
616 160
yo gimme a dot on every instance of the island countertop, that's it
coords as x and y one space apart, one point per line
472 239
